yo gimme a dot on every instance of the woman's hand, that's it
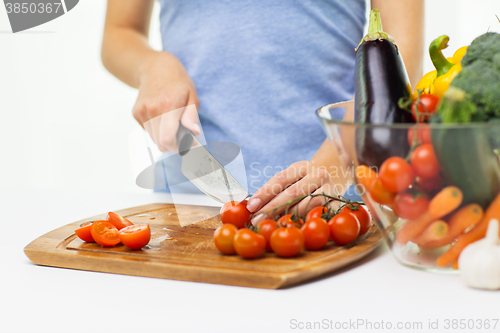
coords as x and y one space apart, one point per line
298 179
167 95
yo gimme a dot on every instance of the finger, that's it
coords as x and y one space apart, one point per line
306 185
190 119
152 127
152 120
140 114
168 129
277 184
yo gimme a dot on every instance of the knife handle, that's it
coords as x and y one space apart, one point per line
185 139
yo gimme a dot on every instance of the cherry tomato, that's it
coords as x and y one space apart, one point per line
266 229
426 108
235 213
136 236
424 162
104 233
84 232
380 194
423 134
410 205
344 228
249 244
431 184
118 221
316 212
290 221
224 237
365 176
396 174
316 233
287 242
362 216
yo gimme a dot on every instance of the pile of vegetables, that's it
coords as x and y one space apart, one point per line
287 235
444 179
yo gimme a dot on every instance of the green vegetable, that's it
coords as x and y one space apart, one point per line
480 76
467 155
456 108
484 47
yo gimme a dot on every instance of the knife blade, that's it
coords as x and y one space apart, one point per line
205 172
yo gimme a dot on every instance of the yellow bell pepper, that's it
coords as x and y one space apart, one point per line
459 54
438 81
425 85
442 83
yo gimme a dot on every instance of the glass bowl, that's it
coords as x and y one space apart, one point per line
467 158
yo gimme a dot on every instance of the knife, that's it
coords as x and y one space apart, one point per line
205 172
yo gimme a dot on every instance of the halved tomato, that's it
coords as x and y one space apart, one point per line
84 232
118 221
104 233
135 236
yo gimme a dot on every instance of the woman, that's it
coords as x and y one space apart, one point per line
256 71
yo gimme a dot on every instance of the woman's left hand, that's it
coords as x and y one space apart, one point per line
298 179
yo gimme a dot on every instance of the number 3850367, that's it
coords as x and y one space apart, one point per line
32 7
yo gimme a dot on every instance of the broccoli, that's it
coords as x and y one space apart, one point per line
484 47
455 108
479 79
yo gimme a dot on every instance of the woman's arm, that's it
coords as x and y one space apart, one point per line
404 21
163 82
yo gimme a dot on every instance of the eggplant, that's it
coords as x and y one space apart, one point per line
381 81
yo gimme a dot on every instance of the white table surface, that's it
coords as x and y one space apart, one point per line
43 299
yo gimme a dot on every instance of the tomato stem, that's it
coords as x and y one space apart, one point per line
328 199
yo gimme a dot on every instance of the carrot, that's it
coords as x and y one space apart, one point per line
455 264
443 203
365 176
434 232
478 232
460 221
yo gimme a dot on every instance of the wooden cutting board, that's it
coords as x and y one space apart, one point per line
189 254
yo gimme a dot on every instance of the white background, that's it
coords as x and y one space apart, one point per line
65 120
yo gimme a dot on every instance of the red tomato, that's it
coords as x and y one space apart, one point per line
396 174
266 229
118 221
288 221
84 232
316 212
249 244
380 194
410 205
235 213
104 233
344 228
136 236
287 242
362 216
316 233
423 134
424 162
431 184
426 108
224 237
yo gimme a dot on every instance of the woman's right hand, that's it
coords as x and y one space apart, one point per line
167 95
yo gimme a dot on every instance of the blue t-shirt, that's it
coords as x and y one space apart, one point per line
262 68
